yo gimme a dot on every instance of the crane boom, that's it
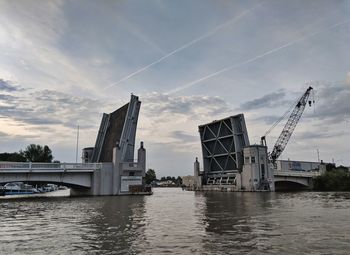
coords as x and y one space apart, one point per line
289 127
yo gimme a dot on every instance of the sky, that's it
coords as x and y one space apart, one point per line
64 63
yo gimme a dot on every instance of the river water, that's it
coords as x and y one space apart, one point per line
172 221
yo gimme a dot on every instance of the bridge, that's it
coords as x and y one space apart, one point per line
109 168
294 180
257 175
81 178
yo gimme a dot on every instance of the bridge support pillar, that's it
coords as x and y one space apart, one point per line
129 173
196 174
116 170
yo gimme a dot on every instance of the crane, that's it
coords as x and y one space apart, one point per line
289 127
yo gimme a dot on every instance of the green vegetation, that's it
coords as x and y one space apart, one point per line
32 153
334 179
37 153
12 157
177 181
150 176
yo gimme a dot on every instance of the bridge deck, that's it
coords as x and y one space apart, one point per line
296 173
29 167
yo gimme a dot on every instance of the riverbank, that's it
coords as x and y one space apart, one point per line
337 179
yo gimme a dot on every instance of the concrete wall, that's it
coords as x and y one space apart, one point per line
127 173
102 180
256 174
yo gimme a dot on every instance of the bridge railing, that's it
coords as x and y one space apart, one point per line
31 165
297 173
134 166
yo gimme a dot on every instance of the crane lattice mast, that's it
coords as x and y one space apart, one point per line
289 127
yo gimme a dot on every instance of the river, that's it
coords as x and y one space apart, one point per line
172 221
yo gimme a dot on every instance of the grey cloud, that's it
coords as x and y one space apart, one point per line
5 136
6 97
50 107
171 115
319 134
267 101
7 86
40 121
332 103
183 137
2 134
268 119
158 104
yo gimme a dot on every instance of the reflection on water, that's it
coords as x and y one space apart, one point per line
179 222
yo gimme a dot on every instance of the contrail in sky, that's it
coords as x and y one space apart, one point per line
192 83
210 33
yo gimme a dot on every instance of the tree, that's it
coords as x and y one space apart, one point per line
37 153
178 181
150 176
336 179
12 157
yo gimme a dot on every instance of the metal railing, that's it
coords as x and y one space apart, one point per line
130 166
297 173
54 166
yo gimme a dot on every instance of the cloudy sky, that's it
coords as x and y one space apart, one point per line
64 63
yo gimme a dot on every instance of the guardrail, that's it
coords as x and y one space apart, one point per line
131 166
53 166
297 173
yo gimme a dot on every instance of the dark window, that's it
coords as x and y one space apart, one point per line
131 173
253 159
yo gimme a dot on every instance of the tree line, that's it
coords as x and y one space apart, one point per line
334 179
151 177
32 153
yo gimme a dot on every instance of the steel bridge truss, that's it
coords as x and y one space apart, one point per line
222 145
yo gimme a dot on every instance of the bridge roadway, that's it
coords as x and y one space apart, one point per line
82 177
286 180
76 176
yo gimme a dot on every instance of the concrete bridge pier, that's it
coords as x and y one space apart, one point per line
114 178
116 170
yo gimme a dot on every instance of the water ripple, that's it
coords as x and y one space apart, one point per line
173 221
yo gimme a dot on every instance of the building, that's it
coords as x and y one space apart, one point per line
189 181
289 165
194 181
256 173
